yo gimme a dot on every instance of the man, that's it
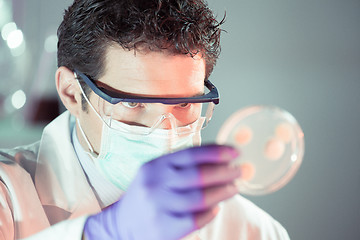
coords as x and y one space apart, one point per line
124 161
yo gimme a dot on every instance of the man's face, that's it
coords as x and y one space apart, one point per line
151 74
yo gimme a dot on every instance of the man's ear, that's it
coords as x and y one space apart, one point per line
68 90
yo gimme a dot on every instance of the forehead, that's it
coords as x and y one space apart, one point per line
150 73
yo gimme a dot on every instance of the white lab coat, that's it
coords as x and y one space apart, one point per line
44 190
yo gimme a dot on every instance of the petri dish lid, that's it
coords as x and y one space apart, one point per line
272 147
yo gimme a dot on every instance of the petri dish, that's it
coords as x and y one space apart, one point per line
271 143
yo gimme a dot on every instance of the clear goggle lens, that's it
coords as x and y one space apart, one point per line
145 117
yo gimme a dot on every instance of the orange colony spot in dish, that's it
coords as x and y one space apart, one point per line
247 171
284 132
274 149
243 135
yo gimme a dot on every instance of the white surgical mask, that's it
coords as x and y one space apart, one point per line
122 153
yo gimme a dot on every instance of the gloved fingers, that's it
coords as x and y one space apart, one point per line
204 217
203 175
187 223
177 226
195 200
219 193
182 202
202 154
215 174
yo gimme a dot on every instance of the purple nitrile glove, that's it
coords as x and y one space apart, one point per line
170 197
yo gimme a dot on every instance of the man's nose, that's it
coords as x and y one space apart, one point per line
161 115
167 121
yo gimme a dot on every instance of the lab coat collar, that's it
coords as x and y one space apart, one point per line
59 178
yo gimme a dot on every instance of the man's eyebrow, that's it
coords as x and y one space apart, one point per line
107 88
110 90
198 94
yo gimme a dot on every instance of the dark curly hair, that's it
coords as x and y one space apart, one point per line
176 26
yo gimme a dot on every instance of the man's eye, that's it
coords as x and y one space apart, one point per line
184 105
131 104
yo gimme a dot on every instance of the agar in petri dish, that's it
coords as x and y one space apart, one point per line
243 135
247 171
274 149
271 143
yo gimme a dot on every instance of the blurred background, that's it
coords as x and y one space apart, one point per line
303 56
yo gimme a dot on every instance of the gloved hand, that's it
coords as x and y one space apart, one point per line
170 196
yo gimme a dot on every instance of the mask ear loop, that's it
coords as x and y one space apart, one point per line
92 152
87 100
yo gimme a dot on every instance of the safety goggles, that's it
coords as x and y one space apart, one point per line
183 115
